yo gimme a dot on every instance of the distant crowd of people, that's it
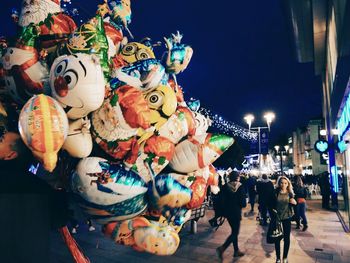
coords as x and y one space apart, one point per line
280 201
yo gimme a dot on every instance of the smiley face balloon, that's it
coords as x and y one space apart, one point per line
77 83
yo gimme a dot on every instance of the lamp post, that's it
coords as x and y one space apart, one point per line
268 116
280 150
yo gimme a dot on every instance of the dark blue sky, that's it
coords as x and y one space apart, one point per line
243 56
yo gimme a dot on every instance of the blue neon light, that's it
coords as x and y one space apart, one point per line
321 146
334 178
341 146
344 120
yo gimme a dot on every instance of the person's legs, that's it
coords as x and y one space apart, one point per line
303 215
297 215
263 211
278 249
286 237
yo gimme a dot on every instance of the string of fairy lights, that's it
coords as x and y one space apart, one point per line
228 127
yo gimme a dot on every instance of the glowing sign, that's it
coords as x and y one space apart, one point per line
321 146
343 121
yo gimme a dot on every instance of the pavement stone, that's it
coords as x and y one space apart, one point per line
324 242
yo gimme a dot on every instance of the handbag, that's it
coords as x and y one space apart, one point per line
275 230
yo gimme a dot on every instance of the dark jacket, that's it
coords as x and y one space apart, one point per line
264 188
235 200
29 209
300 192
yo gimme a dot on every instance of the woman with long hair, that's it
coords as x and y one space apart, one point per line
300 196
280 206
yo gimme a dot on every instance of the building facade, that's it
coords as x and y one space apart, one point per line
320 30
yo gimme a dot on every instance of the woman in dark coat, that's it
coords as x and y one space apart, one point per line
280 205
300 196
235 200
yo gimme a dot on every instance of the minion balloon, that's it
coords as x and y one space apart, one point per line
134 51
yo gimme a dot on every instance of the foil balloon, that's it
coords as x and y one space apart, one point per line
24 73
178 91
202 123
79 141
167 191
179 55
194 105
199 192
43 126
134 51
77 83
162 240
180 124
115 124
199 151
120 11
176 216
151 157
162 102
144 74
107 192
55 26
89 38
114 38
123 232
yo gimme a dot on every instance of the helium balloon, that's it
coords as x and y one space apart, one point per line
79 141
202 123
54 25
179 55
43 126
107 191
199 192
167 191
89 38
120 12
144 74
151 157
77 83
114 38
123 232
199 151
157 239
134 51
24 73
162 102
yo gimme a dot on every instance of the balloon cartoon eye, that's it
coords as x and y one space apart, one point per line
142 54
11 51
129 49
71 78
155 99
61 67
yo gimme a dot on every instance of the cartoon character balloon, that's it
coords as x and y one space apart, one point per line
43 126
107 191
77 83
24 73
199 151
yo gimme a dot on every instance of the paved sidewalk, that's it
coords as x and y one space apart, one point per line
324 241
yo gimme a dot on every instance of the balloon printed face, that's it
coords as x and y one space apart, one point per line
202 123
155 239
24 75
175 128
162 102
35 11
135 51
77 83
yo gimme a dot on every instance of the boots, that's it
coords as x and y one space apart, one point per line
238 253
304 228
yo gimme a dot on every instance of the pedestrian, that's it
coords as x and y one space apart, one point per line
264 189
251 187
29 206
300 196
325 189
280 204
235 200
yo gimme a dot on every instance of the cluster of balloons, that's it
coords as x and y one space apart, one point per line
88 86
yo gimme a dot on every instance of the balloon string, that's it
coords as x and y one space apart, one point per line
72 246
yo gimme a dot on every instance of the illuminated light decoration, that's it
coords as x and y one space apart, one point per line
343 121
321 146
228 127
341 146
334 178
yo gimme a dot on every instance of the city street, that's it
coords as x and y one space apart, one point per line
324 241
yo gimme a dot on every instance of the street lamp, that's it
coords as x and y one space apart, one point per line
268 116
280 150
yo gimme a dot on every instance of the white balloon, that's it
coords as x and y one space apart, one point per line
77 82
79 141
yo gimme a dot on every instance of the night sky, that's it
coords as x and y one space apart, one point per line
243 56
